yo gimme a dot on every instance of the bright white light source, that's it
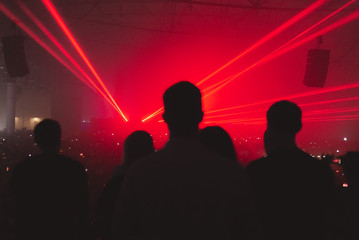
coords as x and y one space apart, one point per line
345 139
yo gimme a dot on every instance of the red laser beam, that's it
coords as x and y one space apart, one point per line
266 38
322 91
299 95
300 105
316 24
153 114
63 26
269 36
11 16
313 112
271 55
53 39
263 121
329 101
331 111
351 17
305 120
349 118
279 52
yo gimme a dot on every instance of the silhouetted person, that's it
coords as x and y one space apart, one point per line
137 145
349 196
294 190
50 191
184 191
219 141
350 164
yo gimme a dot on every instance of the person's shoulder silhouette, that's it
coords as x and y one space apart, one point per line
184 191
292 187
50 190
137 145
348 197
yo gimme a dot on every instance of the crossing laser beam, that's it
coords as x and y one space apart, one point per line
269 36
72 39
28 31
281 50
257 44
62 49
299 95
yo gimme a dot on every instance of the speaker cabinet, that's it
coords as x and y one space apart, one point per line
14 56
317 67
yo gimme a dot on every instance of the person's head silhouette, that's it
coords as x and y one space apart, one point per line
183 109
218 140
47 136
138 144
284 121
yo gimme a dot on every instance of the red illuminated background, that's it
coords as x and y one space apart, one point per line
243 55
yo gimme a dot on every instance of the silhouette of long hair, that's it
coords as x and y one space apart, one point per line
218 140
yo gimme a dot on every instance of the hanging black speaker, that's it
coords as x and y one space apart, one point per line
317 67
14 56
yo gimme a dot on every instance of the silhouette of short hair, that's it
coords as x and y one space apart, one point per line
47 134
183 104
218 140
285 117
138 144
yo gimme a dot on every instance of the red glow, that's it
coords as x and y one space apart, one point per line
330 111
316 24
322 91
266 38
300 105
63 26
53 39
299 95
8 13
153 114
260 120
351 17
309 113
313 112
330 101
276 53
256 121
269 36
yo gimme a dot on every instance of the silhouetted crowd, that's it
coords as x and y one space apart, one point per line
192 188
